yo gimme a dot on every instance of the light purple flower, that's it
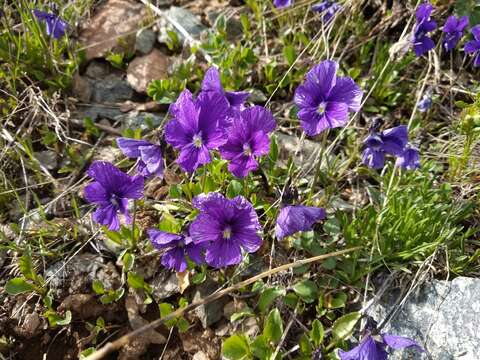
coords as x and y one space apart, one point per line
324 99
421 42
409 159
373 347
54 26
211 82
377 144
453 30
328 8
226 227
150 155
177 247
194 129
248 139
280 4
473 46
110 192
425 103
293 219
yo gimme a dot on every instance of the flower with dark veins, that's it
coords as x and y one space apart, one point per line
177 247
473 46
453 30
280 4
248 139
293 219
111 191
150 155
421 42
328 9
377 144
324 99
211 82
195 128
54 26
226 227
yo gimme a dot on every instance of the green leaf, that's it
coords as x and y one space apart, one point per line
273 328
234 188
237 347
261 348
307 290
166 309
268 296
317 333
128 260
97 286
343 327
337 302
135 281
290 54
17 286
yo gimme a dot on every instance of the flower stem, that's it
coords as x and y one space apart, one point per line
318 165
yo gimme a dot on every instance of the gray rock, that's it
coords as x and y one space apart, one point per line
234 27
47 158
97 69
144 41
142 120
441 316
212 312
164 284
111 89
96 112
257 97
185 19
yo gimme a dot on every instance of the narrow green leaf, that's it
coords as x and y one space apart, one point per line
268 296
343 327
17 286
307 290
273 328
317 333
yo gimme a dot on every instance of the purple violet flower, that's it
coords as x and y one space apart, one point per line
372 347
328 8
421 42
54 26
377 144
324 99
409 158
473 46
280 4
293 219
151 160
211 82
247 139
226 226
453 30
194 129
110 192
177 247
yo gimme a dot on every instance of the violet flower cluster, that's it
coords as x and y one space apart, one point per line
218 120
54 25
393 142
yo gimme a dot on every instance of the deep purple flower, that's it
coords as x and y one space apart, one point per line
377 144
54 26
177 248
282 3
194 129
226 227
211 82
248 139
453 30
328 8
324 99
373 347
409 158
293 219
421 42
151 160
473 46
110 192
